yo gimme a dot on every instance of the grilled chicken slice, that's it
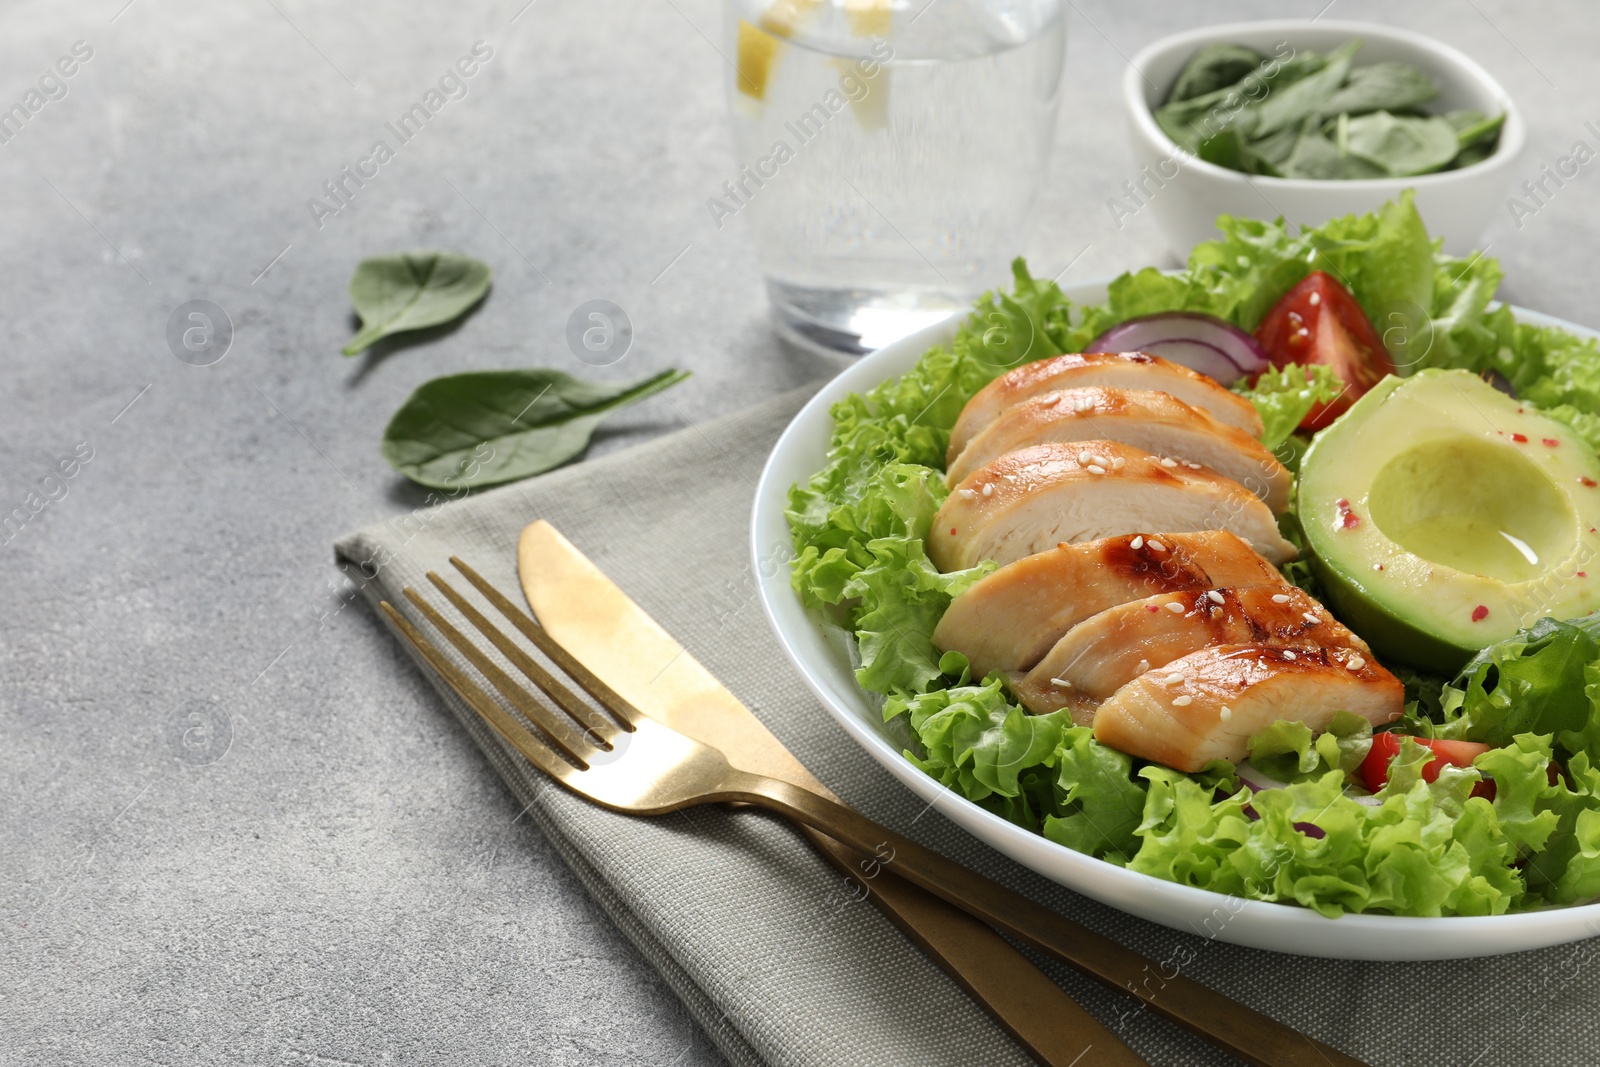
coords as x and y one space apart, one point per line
1008 620
1112 370
1156 422
1036 497
1208 704
1103 653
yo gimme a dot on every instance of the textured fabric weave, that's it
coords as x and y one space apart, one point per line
745 921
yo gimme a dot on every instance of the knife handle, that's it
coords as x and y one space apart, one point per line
1054 1029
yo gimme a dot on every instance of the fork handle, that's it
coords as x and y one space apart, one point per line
1251 1036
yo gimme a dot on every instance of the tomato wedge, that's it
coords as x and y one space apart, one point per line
1318 321
1385 747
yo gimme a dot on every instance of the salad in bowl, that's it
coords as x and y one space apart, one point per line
1269 577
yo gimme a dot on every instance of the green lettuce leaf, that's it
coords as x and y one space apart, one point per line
1037 770
1284 397
1536 681
1290 752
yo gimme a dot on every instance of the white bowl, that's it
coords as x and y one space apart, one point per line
822 654
1456 205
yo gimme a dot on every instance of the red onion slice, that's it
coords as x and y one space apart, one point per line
1203 343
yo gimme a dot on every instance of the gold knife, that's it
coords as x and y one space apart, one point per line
597 622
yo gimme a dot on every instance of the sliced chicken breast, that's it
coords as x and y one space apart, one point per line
1156 422
1036 497
1104 652
1008 620
1208 704
1112 370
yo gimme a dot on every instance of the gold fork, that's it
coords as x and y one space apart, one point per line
636 765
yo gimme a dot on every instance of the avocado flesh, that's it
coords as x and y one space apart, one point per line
1441 518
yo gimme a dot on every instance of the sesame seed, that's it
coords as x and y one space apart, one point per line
1143 666
1288 653
1118 463
1310 617
1156 546
1061 683
1137 543
1095 468
1099 460
1169 462
1216 597
1173 679
1356 663
988 490
1225 714
1191 466
1182 701
1280 598
967 494
1315 299
1175 607
1085 458
1377 566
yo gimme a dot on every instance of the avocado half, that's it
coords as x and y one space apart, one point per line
1443 515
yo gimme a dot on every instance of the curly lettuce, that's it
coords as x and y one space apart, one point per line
860 527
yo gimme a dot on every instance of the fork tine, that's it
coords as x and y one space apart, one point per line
587 680
555 728
535 750
595 726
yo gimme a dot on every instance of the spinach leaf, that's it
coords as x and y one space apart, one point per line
1401 146
1286 107
1317 116
1381 87
411 290
1216 66
488 427
1477 134
1315 156
1226 149
1189 122
1468 156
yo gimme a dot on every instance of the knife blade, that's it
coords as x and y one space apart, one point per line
600 625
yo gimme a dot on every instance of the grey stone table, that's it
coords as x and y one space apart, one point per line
155 908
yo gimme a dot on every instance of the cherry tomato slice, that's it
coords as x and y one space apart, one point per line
1318 321
1374 770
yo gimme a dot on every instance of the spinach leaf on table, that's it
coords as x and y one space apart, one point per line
487 427
412 290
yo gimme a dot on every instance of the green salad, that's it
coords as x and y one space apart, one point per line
1432 840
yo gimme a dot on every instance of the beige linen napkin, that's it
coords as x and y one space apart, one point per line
754 931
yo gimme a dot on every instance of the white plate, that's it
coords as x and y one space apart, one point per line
821 652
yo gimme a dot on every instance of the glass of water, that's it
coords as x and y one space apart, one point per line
890 152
